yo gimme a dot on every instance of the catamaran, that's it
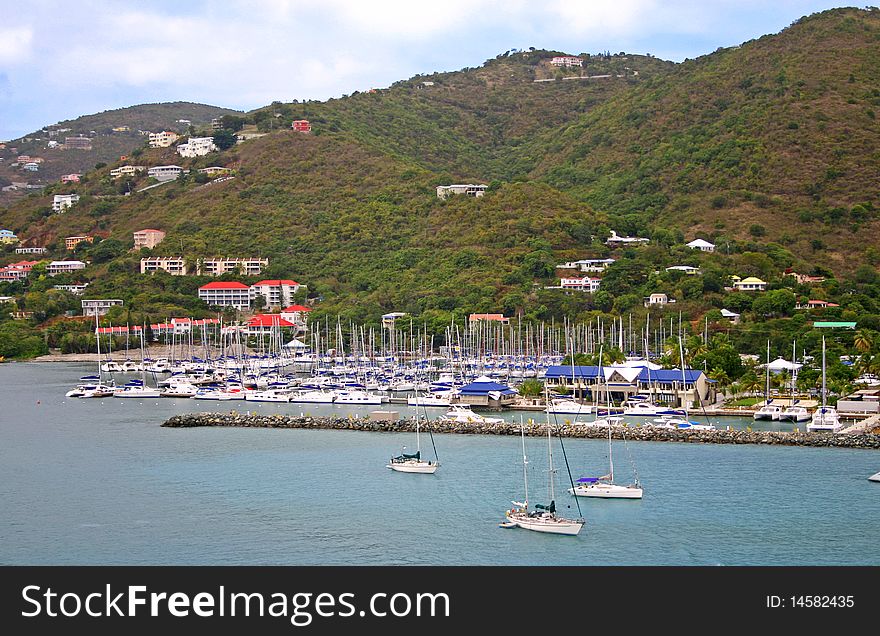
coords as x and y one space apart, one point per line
825 418
543 518
413 462
92 386
768 411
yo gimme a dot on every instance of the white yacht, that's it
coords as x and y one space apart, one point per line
768 412
434 399
680 423
136 389
645 408
269 395
570 407
825 419
462 414
357 397
795 413
313 397
90 386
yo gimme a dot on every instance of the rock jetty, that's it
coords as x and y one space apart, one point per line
632 433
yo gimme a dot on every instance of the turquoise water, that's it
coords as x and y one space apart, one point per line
99 482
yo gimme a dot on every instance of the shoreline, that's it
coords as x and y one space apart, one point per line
867 441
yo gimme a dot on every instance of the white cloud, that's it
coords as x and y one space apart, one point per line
15 44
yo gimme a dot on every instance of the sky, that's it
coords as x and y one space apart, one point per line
60 60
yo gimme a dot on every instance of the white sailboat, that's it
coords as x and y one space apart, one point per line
794 412
543 518
825 418
93 386
677 421
604 487
413 463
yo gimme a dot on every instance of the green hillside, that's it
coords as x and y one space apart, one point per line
770 149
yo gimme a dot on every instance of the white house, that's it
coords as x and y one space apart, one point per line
299 314
126 171
587 284
61 202
614 239
165 173
658 300
76 288
596 265
218 266
731 316
700 244
197 147
99 307
566 61
61 267
163 139
226 294
470 189
750 284
278 293
685 269
29 250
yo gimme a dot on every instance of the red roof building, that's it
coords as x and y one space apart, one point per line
226 294
278 292
301 125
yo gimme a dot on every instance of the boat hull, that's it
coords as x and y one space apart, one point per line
607 491
424 468
547 526
874 478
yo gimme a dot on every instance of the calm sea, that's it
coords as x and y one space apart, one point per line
99 482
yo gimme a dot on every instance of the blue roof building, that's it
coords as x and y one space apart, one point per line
486 392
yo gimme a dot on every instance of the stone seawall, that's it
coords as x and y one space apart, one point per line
632 433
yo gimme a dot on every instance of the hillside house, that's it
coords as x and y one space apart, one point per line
74 288
469 189
299 315
196 147
71 242
77 143
587 284
16 271
614 240
99 306
278 293
816 304
30 250
702 245
567 61
148 238
301 125
658 300
733 317
70 178
267 323
31 167
684 269
8 237
488 318
750 284
174 265
218 266
163 139
165 173
226 294
594 265
62 267
61 202
803 279
126 171
212 170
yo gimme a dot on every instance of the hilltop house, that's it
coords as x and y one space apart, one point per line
99 307
749 284
702 245
615 240
469 189
226 294
196 147
8 237
61 202
163 139
567 61
148 238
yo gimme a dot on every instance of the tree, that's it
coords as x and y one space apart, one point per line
531 388
224 139
259 302
863 341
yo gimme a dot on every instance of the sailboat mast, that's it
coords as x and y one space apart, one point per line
522 431
823 375
610 459
550 455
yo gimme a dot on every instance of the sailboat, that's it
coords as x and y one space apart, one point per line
874 477
768 411
825 418
794 412
604 487
413 463
92 386
676 421
138 388
542 518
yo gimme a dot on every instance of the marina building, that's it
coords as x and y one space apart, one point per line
148 238
226 294
266 323
70 178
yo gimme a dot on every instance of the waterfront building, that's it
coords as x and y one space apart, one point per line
226 294
266 323
174 265
486 392
61 202
469 189
62 267
99 306
148 238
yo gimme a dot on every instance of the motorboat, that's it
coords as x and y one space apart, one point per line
795 414
569 407
462 414
90 386
136 389
825 419
269 395
357 397
645 408
680 423
436 399
874 477
313 397
768 412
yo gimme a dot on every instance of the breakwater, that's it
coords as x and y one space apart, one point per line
632 433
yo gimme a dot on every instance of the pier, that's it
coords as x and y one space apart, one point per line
865 440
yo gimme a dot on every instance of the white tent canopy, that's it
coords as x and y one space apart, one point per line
780 364
296 344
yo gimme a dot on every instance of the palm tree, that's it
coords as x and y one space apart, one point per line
721 379
750 384
863 341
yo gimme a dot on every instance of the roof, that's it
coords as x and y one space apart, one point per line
831 325
728 314
269 320
224 285
700 242
483 386
147 230
293 308
644 375
275 283
66 263
752 280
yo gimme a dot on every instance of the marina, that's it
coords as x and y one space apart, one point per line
130 491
